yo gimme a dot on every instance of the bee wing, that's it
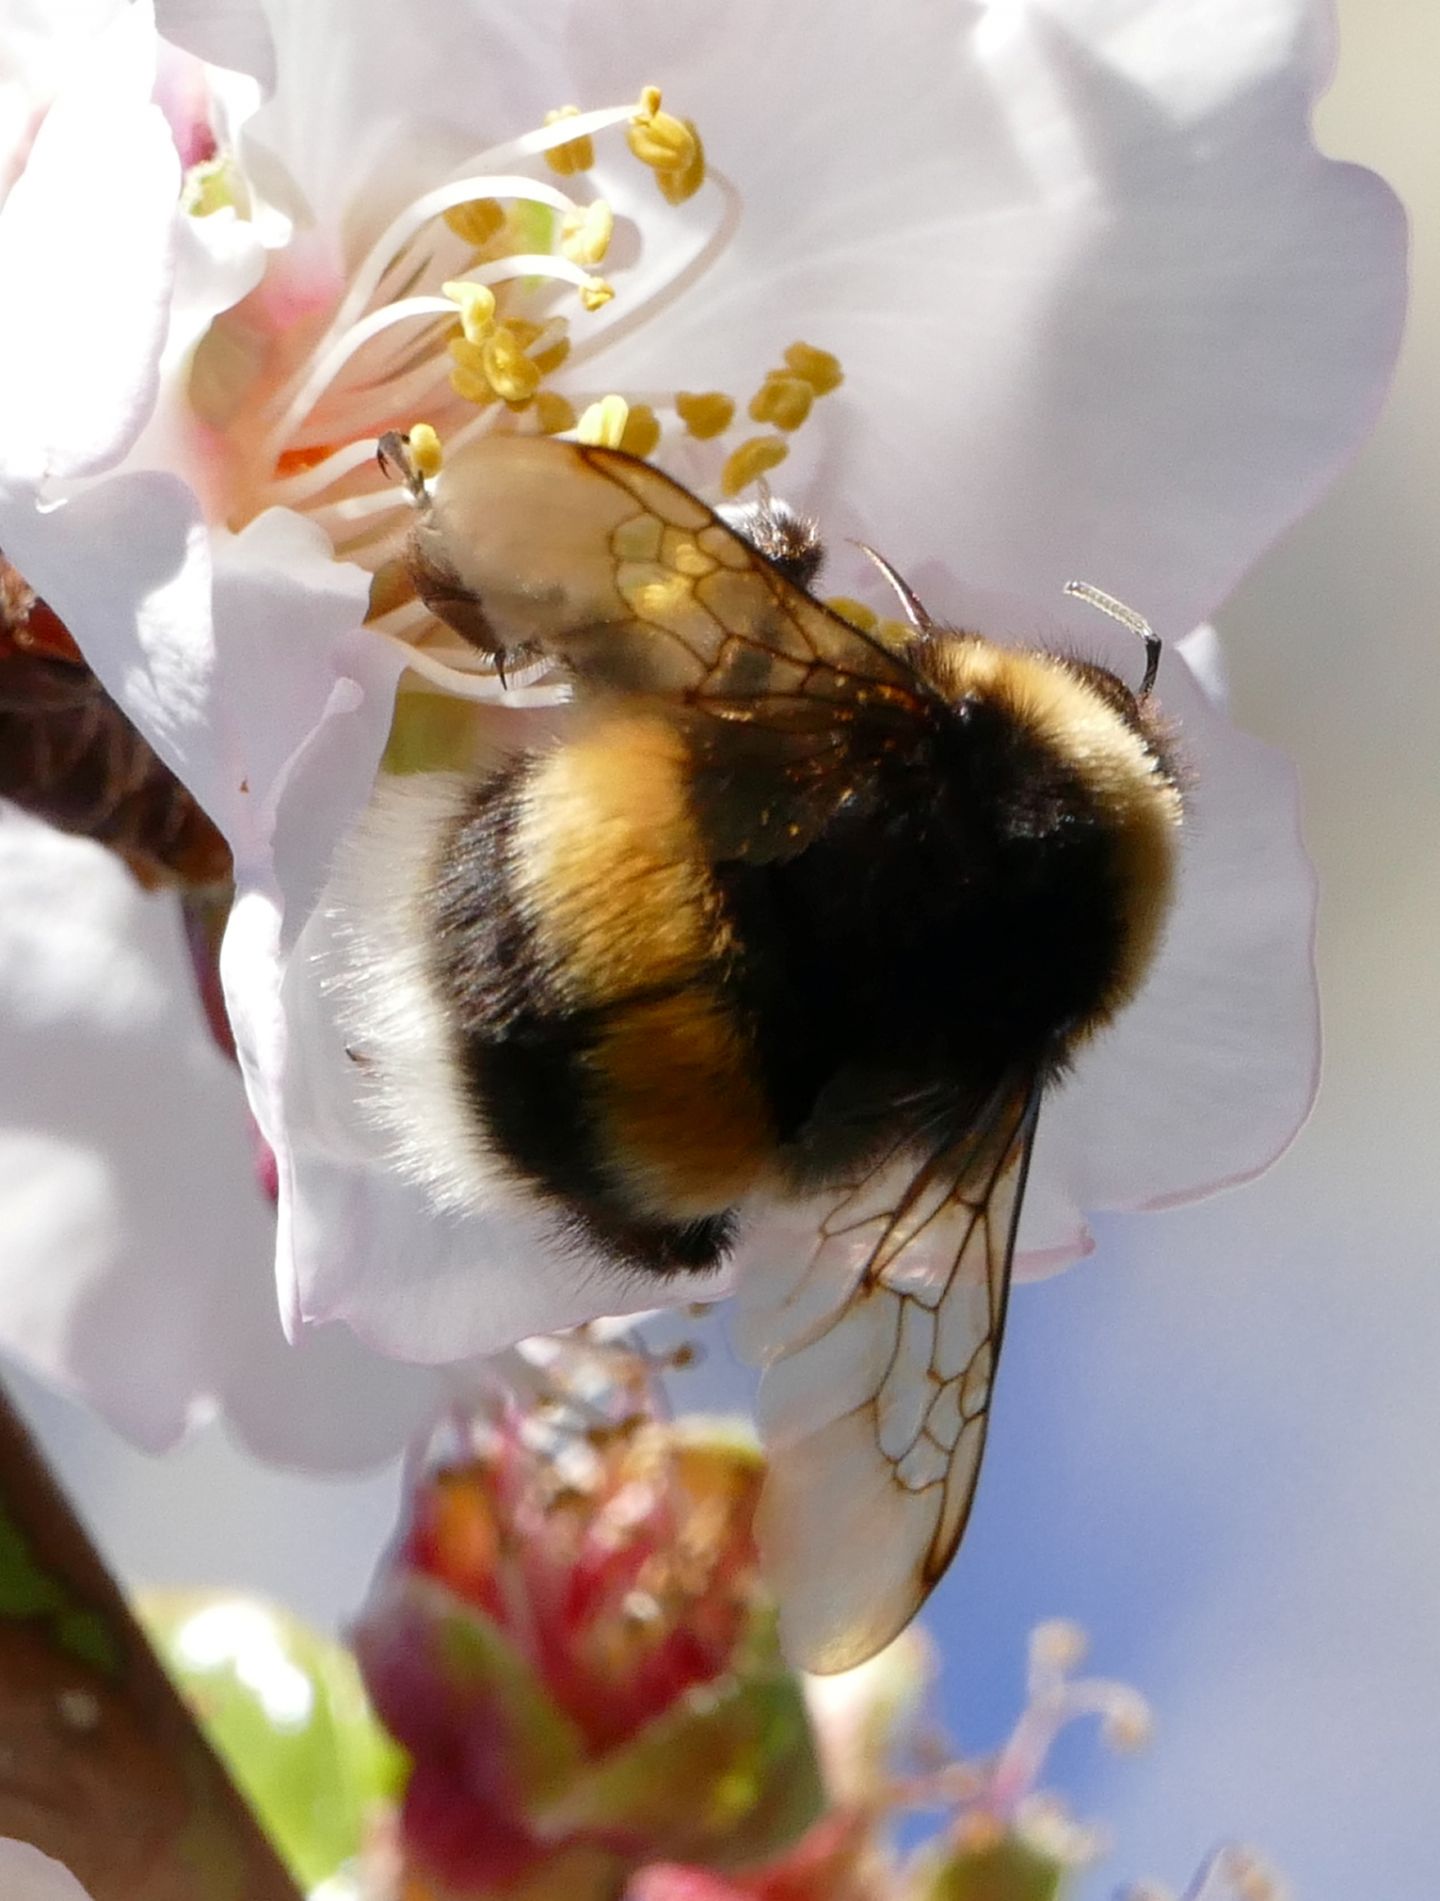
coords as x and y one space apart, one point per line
880 1340
530 546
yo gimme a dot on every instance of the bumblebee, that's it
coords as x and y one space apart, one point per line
782 918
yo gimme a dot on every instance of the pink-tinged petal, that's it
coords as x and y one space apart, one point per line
135 1246
28 1875
1102 306
218 260
87 245
233 33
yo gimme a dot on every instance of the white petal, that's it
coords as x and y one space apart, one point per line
1210 1072
41 46
28 1875
233 33
365 111
1102 306
87 239
135 1246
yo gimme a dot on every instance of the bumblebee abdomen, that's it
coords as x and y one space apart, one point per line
582 951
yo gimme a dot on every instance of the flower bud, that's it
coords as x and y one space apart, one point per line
572 1644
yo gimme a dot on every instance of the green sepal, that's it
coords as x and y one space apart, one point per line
476 1661
1009 1869
726 1777
429 732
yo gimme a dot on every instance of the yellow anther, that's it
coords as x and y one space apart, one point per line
552 354
476 304
472 386
510 372
585 233
750 461
816 367
595 293
658 139
477 221
705 414
553 413
468 378
578 155
683 181
603 423
782 401
426 453
641 431
856 612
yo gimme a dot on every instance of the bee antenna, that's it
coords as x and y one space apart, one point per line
915 610
1127 617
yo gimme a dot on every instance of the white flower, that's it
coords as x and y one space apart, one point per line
1101 309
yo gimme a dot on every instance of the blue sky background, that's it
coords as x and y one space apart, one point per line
1217 1444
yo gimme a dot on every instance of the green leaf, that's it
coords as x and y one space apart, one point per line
285 1711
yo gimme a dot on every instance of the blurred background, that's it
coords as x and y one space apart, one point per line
1217 1443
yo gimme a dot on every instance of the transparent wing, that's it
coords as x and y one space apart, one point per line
530 546
880 1336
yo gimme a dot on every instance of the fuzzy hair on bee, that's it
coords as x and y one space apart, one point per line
781 919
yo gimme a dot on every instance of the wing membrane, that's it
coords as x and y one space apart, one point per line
880 1343
531 546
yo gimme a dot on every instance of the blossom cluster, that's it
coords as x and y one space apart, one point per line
1013 292
1057 298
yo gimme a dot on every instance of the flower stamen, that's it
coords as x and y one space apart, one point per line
753 458
669 146
707 414
575 155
